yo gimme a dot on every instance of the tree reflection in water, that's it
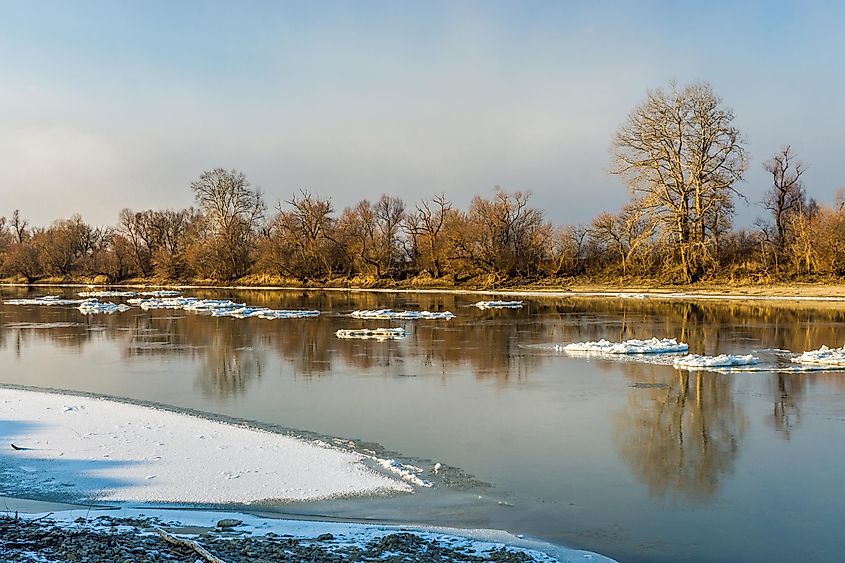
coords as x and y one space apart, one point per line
682 436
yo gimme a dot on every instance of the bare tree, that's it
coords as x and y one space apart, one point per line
233 211
425 225
624 233
680 152
19 225
786 195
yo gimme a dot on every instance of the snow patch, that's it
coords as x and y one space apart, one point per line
651 346
375 334
407 315
96 448
695 361
499 305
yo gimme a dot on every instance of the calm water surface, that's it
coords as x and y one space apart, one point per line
641 462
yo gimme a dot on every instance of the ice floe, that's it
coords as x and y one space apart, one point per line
82 447
220 308
695 361
46 300
499 304
96 307
651 346
824 356
406 315
374 334
107 293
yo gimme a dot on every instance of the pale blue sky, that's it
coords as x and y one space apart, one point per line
105 105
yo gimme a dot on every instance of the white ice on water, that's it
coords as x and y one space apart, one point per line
824 356
46 300
406 315
220 308
499 305
651 346
107 293
115 451
375 334
695 361
96 307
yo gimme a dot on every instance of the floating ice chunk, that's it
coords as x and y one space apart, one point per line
161 293
499 304
263 313
107 293
651 346
375 334
824 356
408 315
695 361
408 473
46 300
95 307
163 303
220 308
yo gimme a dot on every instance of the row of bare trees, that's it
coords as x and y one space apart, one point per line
679 152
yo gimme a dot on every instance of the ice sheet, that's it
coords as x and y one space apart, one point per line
94 448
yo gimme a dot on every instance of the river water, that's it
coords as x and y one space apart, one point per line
638 461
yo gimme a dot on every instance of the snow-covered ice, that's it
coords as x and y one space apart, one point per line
499 304
46 300
245 312
374 334
81 447
407 472
824 356
695 361
407 315
107 293
96 307
651 346
220 308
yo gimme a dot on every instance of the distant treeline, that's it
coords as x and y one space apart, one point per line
678 151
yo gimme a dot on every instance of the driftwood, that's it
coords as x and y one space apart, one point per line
182 542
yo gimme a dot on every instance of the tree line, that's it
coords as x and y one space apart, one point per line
679 153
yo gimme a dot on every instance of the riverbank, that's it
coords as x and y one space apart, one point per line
148 535
785 292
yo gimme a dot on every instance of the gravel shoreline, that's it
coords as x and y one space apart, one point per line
108 538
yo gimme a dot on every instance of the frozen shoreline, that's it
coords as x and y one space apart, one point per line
125 453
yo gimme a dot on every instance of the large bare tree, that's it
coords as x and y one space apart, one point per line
680 152
786 197
233 211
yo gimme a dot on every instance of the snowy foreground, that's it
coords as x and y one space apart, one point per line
90 448
190 536
95 448
824 356
403 315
